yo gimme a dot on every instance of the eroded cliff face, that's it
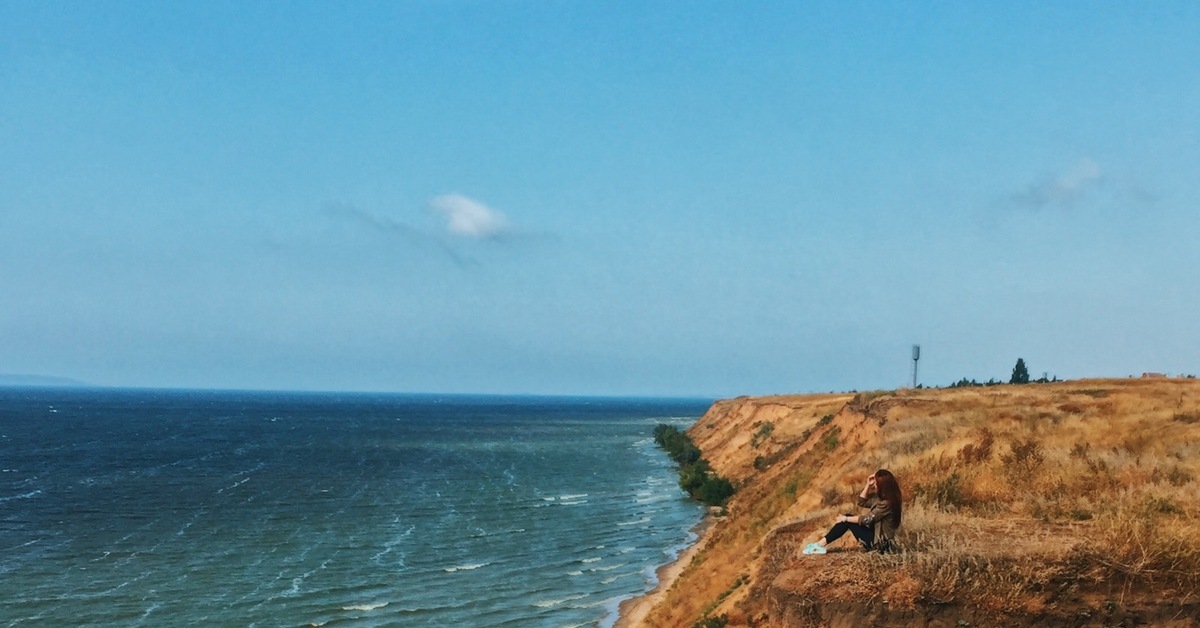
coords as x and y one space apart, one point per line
1019 505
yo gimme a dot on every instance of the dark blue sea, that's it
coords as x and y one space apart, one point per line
134 507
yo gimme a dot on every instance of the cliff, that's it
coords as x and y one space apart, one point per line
1073 503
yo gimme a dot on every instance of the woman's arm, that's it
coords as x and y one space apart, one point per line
862 501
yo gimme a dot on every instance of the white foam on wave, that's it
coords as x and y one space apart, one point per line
364 607
553 603
29 495
234 485
635 522
483 533
591 560
571 497
609 568
467 567
612 579
150 609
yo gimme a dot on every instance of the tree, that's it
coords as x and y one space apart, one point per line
1020 374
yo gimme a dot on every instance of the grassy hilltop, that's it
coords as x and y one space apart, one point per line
1071 503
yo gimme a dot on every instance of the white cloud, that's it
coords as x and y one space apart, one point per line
469 218
1063 190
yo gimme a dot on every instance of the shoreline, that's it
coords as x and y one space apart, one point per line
633 611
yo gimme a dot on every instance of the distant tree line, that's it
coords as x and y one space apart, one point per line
1020 375
696 477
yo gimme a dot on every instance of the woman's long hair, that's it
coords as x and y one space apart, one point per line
888 489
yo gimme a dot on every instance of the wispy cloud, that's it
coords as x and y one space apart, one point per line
392 227
348 212
1062 190
468 218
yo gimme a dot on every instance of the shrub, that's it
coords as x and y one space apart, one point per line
715 490
1025 458
678 445
763 432
1187 417
981 452
695 474
1162 506
832 438
946 493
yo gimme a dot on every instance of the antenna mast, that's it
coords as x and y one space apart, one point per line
916 356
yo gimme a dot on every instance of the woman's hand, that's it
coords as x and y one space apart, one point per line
868 486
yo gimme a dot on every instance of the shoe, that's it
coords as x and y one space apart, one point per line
817 549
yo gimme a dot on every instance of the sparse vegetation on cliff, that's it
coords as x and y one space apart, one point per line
1020 375
695 474
1071 503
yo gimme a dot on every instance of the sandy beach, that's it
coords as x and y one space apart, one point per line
632 612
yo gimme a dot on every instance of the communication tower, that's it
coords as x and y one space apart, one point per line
916 356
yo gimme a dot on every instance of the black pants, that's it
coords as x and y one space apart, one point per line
865 535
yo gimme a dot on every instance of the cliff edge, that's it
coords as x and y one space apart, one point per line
1073 503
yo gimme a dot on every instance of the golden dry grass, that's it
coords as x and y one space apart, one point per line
1023 504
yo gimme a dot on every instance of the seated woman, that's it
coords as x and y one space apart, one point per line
876 529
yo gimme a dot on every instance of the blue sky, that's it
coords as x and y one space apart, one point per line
701 198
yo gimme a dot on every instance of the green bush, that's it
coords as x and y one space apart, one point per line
764 431
696 476
715 490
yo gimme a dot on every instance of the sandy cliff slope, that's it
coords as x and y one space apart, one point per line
1073 503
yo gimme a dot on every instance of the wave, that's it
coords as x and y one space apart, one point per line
467 567
553 603
634 522
234 485
364 607
482 534
612 579
29 495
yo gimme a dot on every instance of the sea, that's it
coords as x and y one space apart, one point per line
152 507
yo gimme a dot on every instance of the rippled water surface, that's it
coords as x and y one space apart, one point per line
148 507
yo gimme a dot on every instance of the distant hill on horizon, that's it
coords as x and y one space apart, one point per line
13 380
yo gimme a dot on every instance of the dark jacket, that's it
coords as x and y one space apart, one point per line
881 518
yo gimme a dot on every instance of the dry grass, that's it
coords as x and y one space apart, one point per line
1021 502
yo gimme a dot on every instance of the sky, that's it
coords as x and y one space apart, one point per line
694 198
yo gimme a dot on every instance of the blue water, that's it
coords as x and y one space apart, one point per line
273 509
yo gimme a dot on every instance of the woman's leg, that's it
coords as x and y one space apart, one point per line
865 535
